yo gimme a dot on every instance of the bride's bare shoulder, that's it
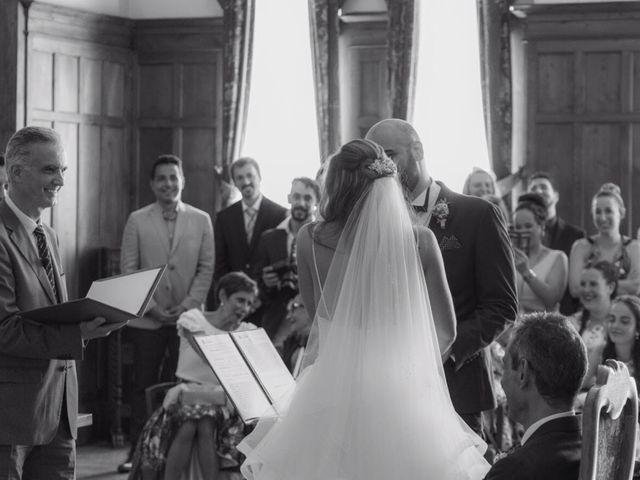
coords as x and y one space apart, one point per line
425 236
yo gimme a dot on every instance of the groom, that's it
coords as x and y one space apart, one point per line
478 262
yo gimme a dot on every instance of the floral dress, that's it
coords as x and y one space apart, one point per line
155 439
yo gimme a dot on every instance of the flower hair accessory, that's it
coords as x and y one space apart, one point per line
383 166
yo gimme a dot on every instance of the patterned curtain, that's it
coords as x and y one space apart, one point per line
238 47
402 55
495 65
324 28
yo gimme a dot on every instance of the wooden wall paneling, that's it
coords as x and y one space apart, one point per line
633 206
10 72
151 143
89 201
41 79
199 92
115 89
156 91
114 190
197 151
91 86
65 213
65 92
582 101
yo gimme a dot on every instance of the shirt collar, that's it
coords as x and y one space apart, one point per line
536 425
255 206
27 222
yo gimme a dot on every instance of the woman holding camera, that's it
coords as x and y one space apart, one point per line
542 272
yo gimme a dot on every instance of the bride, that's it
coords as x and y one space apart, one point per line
373 403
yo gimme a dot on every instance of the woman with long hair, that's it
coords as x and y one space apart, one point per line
373 404
598 285
623 333
607 210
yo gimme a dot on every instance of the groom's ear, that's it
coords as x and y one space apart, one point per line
525 373
417 152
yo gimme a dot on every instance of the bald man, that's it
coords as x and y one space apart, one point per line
478 262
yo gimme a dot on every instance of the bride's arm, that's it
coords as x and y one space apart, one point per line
441 302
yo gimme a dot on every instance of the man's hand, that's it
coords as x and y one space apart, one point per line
98 328
172 314
270 278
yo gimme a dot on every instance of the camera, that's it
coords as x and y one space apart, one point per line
520 239
288 274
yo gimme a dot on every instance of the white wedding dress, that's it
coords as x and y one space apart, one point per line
374 403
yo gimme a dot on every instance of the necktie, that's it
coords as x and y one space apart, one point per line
250 213
45 257
425 207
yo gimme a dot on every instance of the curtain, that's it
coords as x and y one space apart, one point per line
402 55
495 66
238 46
324 29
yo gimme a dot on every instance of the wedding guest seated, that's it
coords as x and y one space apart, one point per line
607 210
597 288
545 364
295 343
196 429
623 333
541 271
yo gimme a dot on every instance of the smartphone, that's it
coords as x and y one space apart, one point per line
520 239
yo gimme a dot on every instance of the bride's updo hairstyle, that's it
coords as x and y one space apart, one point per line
350 174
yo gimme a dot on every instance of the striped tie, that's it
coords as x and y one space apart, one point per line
251 221
45 257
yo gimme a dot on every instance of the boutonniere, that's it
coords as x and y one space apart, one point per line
441 212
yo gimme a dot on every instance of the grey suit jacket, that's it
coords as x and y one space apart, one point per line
36 366
189 258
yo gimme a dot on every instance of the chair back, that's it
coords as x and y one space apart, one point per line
609 424
154 395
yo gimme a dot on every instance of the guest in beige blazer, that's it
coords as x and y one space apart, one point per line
38 384
166 232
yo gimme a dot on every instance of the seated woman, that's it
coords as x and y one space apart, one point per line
295 343
623 333
542 272
597 288
607 210
195 420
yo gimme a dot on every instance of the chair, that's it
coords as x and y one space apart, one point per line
609 424
154 395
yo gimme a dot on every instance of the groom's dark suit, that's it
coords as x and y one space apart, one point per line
552 453
480 272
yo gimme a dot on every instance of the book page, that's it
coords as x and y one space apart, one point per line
125 292
235 376
266 363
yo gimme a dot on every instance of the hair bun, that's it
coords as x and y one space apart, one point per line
533 198
610 187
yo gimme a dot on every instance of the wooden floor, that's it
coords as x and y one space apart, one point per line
99 462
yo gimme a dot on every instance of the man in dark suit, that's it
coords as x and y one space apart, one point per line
38 384
278 278
478 261
558 234
238 227
544 365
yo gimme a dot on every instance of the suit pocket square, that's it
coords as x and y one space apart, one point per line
449 243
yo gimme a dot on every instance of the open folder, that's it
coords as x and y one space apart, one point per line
118 299
250 370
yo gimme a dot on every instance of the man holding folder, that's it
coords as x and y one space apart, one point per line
38 384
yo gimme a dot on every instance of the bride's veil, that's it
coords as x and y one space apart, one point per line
373 402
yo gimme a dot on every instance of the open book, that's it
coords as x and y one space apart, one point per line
250 370
118 299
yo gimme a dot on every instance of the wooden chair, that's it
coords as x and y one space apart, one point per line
609 424
154 395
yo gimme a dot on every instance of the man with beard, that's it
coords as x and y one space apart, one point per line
239 226
478 261
277 256
558 234
166 232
